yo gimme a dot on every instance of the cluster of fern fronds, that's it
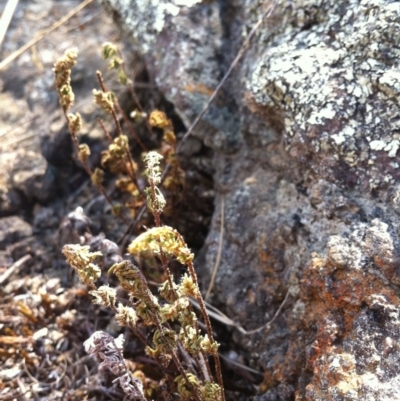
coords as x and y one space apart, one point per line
163 321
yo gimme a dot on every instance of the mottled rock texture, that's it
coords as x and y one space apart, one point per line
305 135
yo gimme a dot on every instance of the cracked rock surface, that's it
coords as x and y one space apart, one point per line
305 135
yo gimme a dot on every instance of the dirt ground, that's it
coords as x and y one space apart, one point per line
45 312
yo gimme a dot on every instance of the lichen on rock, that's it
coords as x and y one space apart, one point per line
336 79
306 136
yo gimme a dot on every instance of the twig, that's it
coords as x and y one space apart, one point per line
217 261
268 324
225 77
14 268
6 18
240 365
14 127
29 135
85 20
106 133
72 196
28 373
44 33
218 315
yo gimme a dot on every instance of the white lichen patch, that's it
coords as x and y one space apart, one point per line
392 148
147 18
377 144
340 74
343 253
187 3
328 112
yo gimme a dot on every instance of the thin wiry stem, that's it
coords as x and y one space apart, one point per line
203 309
86 166
217 261
40 35
130 126
156 213
124 238
131 171
106 133
135 98
234 63
113 113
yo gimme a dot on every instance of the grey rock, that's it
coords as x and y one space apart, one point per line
13 229
305 135
32 177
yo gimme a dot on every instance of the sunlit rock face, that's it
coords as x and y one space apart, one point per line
305 135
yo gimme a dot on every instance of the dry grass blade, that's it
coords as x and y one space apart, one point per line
240 365
42 34
218 260
14 340
6 18
234 63
13 268
222 318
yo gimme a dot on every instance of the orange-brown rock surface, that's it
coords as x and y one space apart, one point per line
305 135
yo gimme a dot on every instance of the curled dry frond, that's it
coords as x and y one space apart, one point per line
158 119
104 346
168 293
75 122
108 50
115 63
105 100
83 152
62 75
211 392
126 316
67 61
162 239
188 287
190 339
187 318
132 280
174 310
97 176
208 346
67 97
122 78
81 260
104 296
148 312
125 184
62 67
164 341
114 158
157 202
153 170
132 386
185 385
